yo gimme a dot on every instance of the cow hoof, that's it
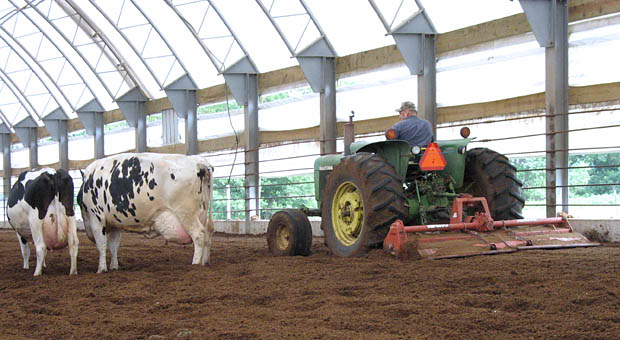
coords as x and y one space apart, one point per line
99 271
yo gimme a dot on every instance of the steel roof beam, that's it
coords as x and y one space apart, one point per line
122 34
117 57
33 60
53 42
70 43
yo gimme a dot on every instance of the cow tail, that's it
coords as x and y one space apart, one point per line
207 197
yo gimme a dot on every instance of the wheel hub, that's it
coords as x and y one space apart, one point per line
282 237
347 213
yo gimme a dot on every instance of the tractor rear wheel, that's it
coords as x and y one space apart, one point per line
289 233
362 197
489 174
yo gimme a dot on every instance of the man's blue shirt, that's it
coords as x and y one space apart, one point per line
414 130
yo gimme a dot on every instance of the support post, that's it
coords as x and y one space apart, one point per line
91 116
328 129
242 79
133 107
170 127
427 83
5 138
56 124
415 40
549 21
317 61
182 95
26 131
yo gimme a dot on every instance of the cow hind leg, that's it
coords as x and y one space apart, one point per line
114 241
100 242
73 245
25 248
36 229
199 236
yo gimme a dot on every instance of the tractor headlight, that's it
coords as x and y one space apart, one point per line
416 150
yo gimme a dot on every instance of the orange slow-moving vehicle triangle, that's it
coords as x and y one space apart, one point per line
432 159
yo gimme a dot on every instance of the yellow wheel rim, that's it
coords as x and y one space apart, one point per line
282 237
347 213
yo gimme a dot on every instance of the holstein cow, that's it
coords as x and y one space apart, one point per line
155 194
40 208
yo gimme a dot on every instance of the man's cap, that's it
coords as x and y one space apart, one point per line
406 105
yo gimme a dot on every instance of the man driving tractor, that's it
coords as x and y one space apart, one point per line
411 128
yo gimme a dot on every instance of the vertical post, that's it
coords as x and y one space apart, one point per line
427 83
33 148
6 162
99 135
170 127
191 124
91 115
182 96
141 128
26 131
556 59
242 79
329 127
63 145
250 136
549 21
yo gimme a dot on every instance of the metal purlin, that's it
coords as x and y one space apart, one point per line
120 61
67 60
70 43
36 62
415 39
317 61
131 45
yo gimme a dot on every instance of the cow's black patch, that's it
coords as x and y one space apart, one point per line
16 194
152 184
117 219
152 169
23 240
99 218
172 176
137 220
106 184
123 180
102 167
99 182
103 230
151 198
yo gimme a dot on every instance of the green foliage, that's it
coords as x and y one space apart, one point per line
282 192
276 193
586 169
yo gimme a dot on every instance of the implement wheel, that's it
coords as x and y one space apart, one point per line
362 197
289 233
489 174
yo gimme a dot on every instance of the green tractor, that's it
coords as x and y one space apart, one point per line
363 193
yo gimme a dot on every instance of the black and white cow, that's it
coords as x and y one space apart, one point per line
154 194
40 208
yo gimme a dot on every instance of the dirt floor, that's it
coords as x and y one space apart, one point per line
247 294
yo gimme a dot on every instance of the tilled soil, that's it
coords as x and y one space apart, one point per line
247 294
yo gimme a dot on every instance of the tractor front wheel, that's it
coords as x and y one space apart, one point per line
289 233
362 197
